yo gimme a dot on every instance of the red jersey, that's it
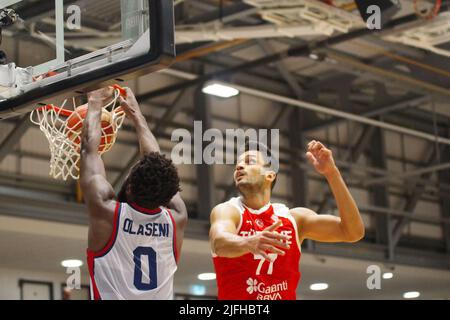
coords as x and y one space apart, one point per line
251 277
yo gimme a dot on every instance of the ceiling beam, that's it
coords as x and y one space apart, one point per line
226 14
410 101
299 50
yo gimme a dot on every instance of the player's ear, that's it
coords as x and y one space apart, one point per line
128 188
270 175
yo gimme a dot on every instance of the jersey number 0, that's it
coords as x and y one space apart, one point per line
148 255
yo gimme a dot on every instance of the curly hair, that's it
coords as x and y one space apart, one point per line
152 182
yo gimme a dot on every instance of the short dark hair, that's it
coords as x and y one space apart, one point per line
153 181
265 151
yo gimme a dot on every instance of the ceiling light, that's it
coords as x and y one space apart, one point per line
220 90
319 286
72 263
318 56
206 276
411 294
388 275
314 56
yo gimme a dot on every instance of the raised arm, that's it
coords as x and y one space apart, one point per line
225 242
148 142
97 192
96 189
349 226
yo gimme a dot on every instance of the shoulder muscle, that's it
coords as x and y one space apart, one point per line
225 213
301 214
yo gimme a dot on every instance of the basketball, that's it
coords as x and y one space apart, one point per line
75 125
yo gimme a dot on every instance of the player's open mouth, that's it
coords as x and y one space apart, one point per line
239 175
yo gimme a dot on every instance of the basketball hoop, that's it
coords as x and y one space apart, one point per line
62 128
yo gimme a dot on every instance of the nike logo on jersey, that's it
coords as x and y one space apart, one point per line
149 229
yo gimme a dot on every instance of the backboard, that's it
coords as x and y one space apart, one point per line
53 47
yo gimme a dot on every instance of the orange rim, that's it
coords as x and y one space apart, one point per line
121 90
68 113
63 112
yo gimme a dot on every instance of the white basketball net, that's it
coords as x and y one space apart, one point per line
65 143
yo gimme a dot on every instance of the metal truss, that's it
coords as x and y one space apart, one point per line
429 35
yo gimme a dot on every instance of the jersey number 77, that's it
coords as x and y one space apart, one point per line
272 256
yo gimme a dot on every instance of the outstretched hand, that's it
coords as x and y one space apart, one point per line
320 157
269 241
130 105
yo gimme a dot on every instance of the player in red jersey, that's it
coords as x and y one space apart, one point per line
256 244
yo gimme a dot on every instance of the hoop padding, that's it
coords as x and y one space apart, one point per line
65 140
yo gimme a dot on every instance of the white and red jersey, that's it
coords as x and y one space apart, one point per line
251 277
140 259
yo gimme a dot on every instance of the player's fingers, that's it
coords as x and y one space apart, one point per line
324 149
318 146
311 145
323 145
128 91
125 107
276 235
310 157
124 104
108 91
273 249
122 100
130 94
326 152
275 242
274 226
321 152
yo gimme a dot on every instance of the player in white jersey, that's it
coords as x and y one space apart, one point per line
134 241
